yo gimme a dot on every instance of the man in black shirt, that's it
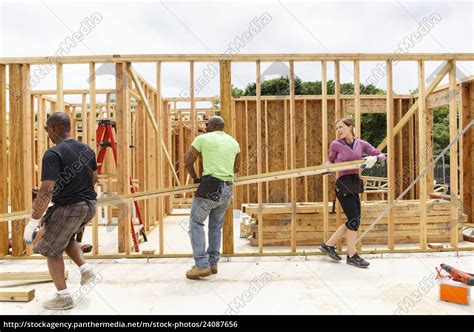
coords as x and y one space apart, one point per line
68 176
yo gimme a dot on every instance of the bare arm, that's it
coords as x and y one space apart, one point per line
43 198
189 160
237 163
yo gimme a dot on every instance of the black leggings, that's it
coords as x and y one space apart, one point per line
351 206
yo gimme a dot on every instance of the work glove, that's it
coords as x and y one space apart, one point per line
370 161
31 229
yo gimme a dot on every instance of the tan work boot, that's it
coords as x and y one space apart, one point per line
214 269
59 302
196 273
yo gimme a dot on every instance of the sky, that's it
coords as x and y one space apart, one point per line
37 28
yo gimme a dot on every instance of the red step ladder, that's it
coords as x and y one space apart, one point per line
105 139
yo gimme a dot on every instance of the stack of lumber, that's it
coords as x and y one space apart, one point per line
309 222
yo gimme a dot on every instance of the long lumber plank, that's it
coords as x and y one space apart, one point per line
272 176
17 295
28 276
281 57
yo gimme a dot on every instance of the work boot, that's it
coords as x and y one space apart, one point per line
358 261
330 251
196 272
214 269
59 302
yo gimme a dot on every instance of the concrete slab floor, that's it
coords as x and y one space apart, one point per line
397 283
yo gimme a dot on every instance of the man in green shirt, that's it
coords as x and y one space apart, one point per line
221 159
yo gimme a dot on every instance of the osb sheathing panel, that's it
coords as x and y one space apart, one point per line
276 148
276 145
299 158
314 148
407 174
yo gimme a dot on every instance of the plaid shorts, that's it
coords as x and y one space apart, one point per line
62 225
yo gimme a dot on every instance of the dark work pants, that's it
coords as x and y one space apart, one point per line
351 207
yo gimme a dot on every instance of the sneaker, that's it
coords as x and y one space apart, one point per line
214 269
88 276
196 272
330 251
59 302
358 261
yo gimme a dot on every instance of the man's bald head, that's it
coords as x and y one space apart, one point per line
59 119
58 127
215 123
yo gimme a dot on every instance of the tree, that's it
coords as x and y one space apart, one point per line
281 87
373 125
441 131
236 92
274 87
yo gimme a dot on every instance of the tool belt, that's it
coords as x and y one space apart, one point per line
350 184
211 188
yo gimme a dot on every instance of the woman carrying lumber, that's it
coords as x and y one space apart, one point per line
348 185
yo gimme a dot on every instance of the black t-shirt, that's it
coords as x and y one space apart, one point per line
351 145
70 164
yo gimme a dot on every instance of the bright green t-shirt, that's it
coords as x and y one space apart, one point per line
218 152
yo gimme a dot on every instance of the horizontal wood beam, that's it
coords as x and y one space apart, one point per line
72 92
241 57
264 177
320 97
184 99
441 97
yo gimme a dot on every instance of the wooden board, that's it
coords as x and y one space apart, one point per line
4 240
264 57
17 295
123 153
20 161
28 276
467 109
226 101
